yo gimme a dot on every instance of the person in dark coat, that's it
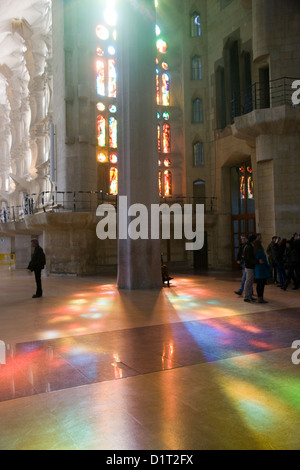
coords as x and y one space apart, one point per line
290 262
261 270
36 265
278 252
240 262
250 263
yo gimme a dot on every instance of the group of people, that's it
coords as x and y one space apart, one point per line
280 264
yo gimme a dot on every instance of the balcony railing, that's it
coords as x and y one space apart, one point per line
82 201
261 95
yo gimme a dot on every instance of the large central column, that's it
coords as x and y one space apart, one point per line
138 260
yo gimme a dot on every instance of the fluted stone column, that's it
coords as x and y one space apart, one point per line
138 260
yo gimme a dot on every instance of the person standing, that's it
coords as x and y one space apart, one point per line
278 250
250 263
36 265
271 260
241 263
261 270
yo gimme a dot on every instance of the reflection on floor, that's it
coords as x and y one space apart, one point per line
190 367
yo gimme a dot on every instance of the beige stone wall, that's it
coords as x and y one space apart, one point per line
276 34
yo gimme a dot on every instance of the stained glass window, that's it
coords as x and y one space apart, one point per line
112 79
112 108
113 180
101 106
113 158
165 89
195 25
102 157
166 138
112 132
161 46
250 187
111 50
160 183
157 87
100 77
159 137
167 183
101 134
100 52
242 187
102 32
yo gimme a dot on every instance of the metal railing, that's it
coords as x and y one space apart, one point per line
82 201
262 95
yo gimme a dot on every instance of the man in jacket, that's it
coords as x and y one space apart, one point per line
36 265
250 262
240 262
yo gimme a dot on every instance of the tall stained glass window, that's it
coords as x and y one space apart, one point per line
112 132
101 131
112 79
106 108
159 137
195 25
165 89
167 183
166 138
113 181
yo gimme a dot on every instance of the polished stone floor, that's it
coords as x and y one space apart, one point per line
188 367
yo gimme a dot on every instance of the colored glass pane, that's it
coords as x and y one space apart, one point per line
162 46
165 65
166 138
242 187
111 50
160 183
102 32
157 30
100 52
159 138
250 187
113 180
100 77
112 132
157 87
101 131
166 116
102 157
112 108
167 162
165 89
113 158
112 79
100 106
167 183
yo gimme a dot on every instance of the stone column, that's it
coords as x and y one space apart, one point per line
138 260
